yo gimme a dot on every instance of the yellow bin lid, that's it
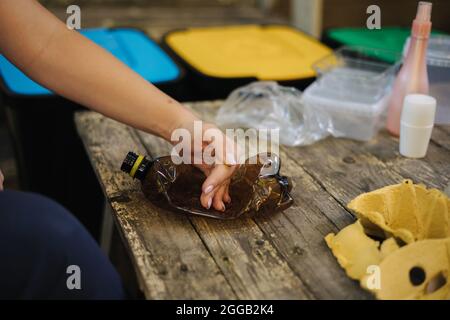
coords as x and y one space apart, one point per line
271 52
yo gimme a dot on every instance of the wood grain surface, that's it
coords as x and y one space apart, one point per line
280 256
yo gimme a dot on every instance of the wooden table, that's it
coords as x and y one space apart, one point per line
282 256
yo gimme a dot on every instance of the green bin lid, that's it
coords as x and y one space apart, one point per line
387 38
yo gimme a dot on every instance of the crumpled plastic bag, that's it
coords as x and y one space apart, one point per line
267 105
403 230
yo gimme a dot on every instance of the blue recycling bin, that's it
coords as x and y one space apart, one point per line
50 155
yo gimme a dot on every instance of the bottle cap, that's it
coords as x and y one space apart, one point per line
422 23
418 110
135 165
424 11
128 162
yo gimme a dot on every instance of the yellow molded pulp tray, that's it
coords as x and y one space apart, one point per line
271 52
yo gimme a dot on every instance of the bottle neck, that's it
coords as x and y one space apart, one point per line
417 47
421 29
417 52
142 169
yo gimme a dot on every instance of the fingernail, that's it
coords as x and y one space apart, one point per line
208 189
209 203
223 207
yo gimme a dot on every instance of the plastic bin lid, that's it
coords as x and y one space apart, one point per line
388 38
131 46
269 52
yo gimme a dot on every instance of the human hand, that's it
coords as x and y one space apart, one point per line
216 156
2 178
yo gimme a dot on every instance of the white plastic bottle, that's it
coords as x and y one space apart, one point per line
416 125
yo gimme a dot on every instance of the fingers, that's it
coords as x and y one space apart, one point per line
215 188
206 199
214 181
226 196
216 198
222 158
219 175
218 203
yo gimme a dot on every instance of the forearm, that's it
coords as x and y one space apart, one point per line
92 77
74 67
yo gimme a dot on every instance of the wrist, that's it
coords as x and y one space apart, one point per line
184 119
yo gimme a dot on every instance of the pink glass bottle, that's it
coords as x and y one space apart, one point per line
413 76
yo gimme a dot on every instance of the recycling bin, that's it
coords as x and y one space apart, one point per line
220 59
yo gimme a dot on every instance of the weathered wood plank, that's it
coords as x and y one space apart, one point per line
433 170
250 263
298 232
347 168
170 259
441 136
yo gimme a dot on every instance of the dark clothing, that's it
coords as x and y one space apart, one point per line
39 240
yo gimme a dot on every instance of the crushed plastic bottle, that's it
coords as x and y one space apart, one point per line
255 188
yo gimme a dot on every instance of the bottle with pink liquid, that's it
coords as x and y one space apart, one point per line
413 76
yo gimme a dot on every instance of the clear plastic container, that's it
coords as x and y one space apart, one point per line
352 91
363 72
348 115
438 62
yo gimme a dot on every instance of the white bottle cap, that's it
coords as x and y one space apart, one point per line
418 110
416 125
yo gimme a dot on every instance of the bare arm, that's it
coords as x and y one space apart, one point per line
69 64
74 67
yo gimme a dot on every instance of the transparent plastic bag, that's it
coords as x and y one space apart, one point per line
267 105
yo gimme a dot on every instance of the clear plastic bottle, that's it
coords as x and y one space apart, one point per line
413 76
256 187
